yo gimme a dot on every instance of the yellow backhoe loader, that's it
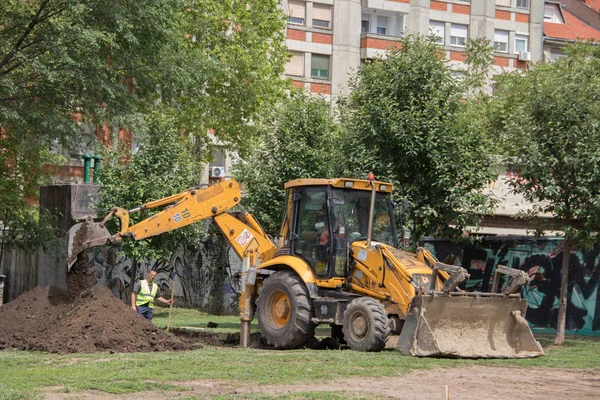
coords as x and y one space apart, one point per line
337 262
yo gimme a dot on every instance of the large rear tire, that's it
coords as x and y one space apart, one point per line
366 325
285 311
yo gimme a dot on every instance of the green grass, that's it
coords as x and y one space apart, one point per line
26 374
183 317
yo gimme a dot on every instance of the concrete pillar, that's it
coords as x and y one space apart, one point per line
346 45
536 30
483 14
418 20
67 203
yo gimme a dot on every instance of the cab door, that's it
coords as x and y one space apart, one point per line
311 227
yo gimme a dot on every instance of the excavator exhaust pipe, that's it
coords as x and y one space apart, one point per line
468 325
84 235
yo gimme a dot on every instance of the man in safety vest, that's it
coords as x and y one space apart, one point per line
143 295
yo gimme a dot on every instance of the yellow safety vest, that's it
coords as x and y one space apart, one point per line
146 295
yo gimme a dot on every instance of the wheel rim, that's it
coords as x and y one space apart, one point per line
360 325
279 304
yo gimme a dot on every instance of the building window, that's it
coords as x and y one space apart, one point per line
552 14
319 66
321 16
521 43
458 35
501 41
503 3
365 26
523 4
295 66
382 24
297 11
436 30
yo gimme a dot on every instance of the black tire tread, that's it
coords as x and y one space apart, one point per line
379 325
300 329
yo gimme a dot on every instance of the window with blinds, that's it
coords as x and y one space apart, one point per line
382 25
437 30
297 12
458 34
321 17
501 41
295 66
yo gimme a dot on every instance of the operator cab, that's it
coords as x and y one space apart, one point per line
323 218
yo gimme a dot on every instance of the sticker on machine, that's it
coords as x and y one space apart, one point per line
362 255
244 238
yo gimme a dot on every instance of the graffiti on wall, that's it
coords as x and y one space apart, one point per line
204 276
541 258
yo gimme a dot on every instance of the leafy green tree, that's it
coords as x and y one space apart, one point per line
408 121
64 63
548 119
244 42
297 143
163 165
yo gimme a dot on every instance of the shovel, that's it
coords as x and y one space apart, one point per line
172 277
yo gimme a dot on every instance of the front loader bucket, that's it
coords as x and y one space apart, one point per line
83 236
468 325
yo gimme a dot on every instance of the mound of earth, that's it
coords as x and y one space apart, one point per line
80 320
50 319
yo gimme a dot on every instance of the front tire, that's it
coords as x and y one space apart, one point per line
366 325
285 311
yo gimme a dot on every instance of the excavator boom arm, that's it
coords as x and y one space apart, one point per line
194 205
190 206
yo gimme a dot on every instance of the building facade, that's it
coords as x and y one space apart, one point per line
329 39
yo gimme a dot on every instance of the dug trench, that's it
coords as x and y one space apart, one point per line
86 320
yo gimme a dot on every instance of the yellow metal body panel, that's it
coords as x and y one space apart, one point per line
358 184
245 237
297 264
192 206
386 273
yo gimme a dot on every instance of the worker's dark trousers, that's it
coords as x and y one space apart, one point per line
145 311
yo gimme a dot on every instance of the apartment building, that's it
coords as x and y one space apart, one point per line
328 39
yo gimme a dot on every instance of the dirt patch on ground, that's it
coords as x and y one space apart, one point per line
481 382
82 320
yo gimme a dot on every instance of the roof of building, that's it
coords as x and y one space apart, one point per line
595 4
572 29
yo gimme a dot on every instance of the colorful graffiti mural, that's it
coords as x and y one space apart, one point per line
541 258
204 276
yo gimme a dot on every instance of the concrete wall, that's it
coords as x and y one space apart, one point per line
205 276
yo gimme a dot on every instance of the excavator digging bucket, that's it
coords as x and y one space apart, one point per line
83 236
469 325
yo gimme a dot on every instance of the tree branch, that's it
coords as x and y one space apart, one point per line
30 27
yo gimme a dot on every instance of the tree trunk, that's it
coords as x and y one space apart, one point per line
562 305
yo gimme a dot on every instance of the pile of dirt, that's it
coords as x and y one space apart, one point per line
50 319
79 320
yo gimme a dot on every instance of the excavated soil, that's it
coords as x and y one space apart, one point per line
82 320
